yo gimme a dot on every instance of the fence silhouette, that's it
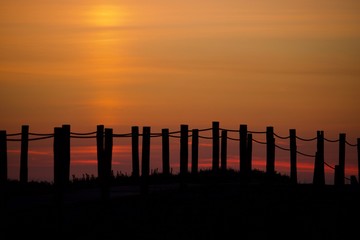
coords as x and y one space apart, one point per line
104 140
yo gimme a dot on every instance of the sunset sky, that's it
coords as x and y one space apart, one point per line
281 63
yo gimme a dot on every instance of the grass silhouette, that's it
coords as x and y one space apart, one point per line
204 176
220 205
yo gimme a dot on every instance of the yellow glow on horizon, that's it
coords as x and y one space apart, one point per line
106 16
104 102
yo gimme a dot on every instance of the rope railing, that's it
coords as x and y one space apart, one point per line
203 137
82 137
178 134
203 130
278 136
41 138
282 148
351 145
259 142
229 130
83 134
30 139
122 135
305 154
13 140
41 134
155 134
174 136
233 139
13 134
349 179
249 131
171 134
175 132
88 135
257 132
329 165
332 141
306 139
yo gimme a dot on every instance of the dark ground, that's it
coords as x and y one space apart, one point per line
259 209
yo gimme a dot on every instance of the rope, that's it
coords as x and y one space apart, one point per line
257 132
155 135
205 137
122 135
176 132
281 137
83 134
234 130
41 134
351 145
306 139
205 129
234 139
285 149
306 155
13 134
329 165
13 140
170 135
40 138
32 139
229 130
258 141
333 141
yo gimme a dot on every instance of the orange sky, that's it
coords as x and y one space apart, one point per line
289 64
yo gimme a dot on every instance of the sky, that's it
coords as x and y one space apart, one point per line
286 64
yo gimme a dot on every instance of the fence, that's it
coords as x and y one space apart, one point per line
104 139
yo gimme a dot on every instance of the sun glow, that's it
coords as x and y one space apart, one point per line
106 16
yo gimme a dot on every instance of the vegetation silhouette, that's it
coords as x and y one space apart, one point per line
203 176
214 205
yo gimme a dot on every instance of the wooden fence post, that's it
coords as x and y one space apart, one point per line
195 151
165 151
216 146
145 161
108 153
249 154
243 148
24 154
342 146
184 149
106 174
59 167
223 150
270 150
66 153
3 157
100 149
135 151
184 155
319 172
358 151
293 157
